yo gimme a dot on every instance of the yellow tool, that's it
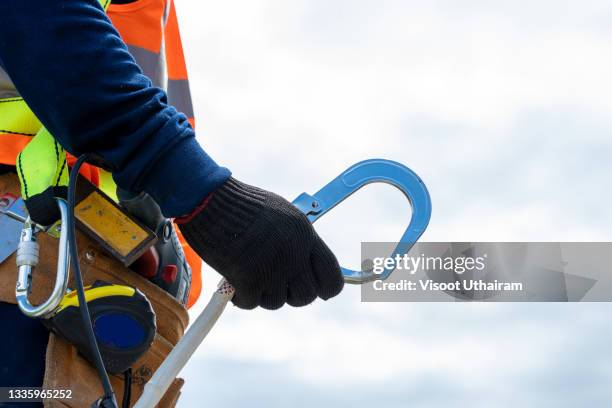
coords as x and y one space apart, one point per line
104 221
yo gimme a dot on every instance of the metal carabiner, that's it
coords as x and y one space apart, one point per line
27 259
359 175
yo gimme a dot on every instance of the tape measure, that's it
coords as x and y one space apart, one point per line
123 322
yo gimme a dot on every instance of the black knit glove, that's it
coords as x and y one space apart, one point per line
264 246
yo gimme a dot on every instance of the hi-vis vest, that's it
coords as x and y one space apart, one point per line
150 30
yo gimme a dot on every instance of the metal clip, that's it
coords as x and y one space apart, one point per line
359 175
27 259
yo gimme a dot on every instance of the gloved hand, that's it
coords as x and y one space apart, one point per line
264 246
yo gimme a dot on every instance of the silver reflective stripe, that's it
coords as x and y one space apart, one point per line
162 56
166 12
179 96
152 64
7 89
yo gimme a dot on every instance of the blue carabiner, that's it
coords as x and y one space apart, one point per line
359 175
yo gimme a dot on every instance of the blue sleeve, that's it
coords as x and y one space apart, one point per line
76 74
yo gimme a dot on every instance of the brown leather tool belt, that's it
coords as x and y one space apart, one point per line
67 370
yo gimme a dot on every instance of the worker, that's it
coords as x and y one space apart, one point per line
72 68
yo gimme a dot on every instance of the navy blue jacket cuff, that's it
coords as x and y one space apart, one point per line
183 178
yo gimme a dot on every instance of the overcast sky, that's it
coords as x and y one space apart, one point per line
503 108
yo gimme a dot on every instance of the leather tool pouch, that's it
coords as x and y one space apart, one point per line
65 369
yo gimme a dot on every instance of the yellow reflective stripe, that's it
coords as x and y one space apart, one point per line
41 164
107 185
17 118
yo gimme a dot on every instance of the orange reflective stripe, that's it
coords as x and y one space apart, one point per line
10 146
195 262
174 47
90 172
139 23
179 94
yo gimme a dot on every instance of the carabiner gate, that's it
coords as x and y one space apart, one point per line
27 259
354 178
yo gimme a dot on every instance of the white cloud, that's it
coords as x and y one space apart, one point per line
501 107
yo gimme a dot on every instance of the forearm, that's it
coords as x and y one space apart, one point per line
76 74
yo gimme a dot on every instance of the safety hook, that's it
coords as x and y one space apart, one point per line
354 178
